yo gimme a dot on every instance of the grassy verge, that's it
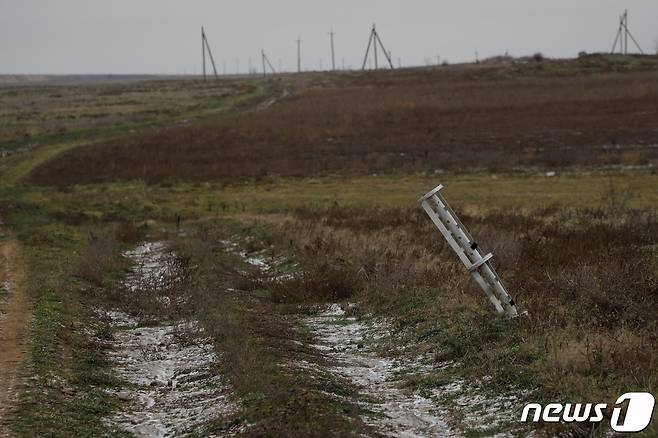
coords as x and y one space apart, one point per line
69 373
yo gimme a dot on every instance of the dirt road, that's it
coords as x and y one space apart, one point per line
15 315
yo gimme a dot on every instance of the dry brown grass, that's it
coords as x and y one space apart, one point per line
98 257
326 281
587 278
412 120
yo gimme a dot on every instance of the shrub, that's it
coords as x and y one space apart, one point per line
321 282
98 257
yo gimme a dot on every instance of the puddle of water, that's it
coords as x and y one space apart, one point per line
171 369
344 339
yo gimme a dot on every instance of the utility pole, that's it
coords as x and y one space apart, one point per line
299 55
262 53
266 61
205 46
626 32
333 57
203 49
373 41
623 34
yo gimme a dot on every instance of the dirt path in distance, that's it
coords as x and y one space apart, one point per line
15 316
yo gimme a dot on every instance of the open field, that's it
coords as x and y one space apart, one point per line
290 248
410 121
41 122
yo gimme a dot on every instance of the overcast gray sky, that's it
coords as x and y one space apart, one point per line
162 36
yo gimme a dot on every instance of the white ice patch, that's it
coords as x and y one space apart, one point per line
171 369
482 412
174 383
394 413
257 259
151 267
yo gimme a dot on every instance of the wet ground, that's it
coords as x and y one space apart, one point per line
170 369
345 340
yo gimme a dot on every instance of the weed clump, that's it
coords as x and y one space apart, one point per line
324 281
98 258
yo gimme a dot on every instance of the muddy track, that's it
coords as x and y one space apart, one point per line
15 317
169 368
344 341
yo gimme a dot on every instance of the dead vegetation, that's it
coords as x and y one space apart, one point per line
328 280
587 277
487 117
100 256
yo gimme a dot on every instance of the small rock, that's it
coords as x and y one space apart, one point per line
124 395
